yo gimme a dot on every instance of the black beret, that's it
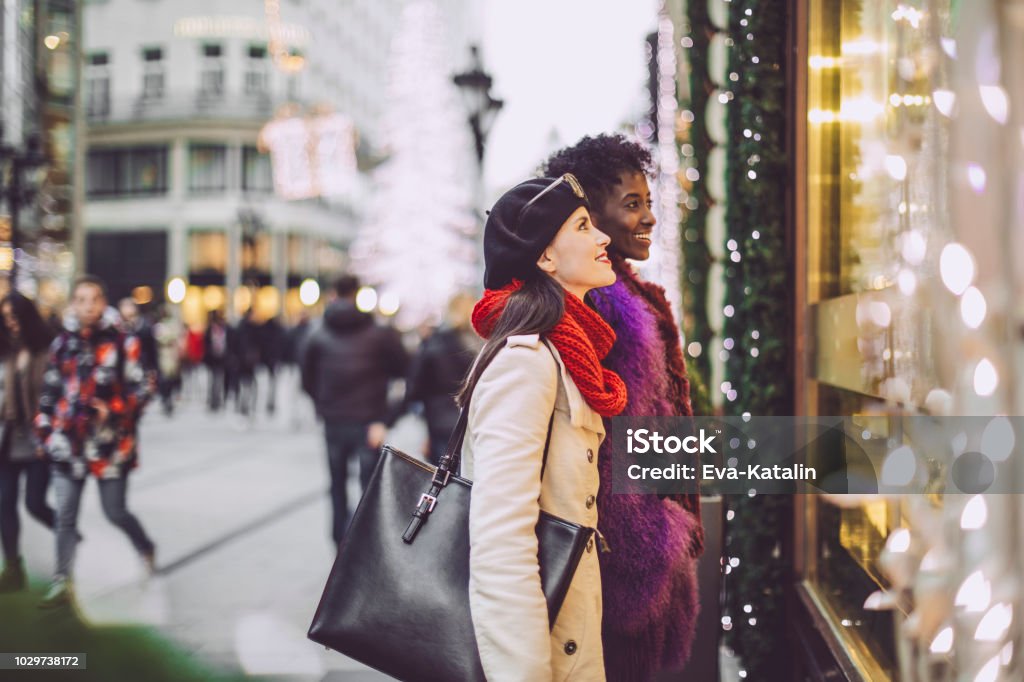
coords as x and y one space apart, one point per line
522 224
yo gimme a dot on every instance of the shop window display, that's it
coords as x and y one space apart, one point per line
877 153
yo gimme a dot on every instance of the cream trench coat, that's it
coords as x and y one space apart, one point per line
508 421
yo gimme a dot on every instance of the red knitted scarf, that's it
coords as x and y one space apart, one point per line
582 338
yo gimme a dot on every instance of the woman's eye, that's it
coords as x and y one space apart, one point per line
632 204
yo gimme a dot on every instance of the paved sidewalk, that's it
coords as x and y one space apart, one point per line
240 515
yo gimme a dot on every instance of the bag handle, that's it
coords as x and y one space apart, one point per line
451 461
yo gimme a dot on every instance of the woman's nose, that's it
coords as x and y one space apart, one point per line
602 238
648 217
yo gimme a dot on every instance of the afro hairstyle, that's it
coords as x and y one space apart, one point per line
598 162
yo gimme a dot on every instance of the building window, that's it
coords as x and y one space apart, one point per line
129 171
256 171
152 73
128 261
207 168
256 76
97 85
207 253
211 79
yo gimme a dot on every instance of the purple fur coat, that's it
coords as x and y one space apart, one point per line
649 580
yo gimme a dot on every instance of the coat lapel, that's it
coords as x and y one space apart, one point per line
580 414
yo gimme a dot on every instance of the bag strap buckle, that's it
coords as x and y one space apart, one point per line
442 482
429 499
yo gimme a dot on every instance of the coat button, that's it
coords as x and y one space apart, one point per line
590 455
570 647
590 501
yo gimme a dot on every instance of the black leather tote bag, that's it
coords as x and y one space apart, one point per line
397 598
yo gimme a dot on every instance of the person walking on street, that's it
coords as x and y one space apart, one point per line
168 336
535 399
244 358
132 322
296 402
651 599
216 341
191 361
24 345
440 365
271 344
94 389
346 367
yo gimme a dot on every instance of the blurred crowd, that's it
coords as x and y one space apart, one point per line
76 385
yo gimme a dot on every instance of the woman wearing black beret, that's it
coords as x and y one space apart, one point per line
540 368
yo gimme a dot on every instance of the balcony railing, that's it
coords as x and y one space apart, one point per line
183 106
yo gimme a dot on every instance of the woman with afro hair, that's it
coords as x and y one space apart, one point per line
649 576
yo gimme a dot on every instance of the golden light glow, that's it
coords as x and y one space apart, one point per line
862 47
243 299
213 298
819 62
268 303
142 295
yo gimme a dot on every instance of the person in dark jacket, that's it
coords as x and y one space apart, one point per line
296 404
244 357
132 322
346 366
272 349
216 342
443 361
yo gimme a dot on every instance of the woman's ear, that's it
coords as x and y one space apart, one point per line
545 263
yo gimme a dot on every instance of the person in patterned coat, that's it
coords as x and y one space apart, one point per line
94 389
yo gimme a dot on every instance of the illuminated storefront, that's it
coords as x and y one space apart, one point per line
893 300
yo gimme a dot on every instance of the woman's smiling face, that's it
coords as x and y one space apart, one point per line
577 258
626 216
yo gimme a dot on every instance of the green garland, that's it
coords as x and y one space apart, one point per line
758 287
696 254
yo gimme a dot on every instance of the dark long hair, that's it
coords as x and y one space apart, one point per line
35 334
534 309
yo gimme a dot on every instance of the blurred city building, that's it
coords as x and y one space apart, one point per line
181 183
40 128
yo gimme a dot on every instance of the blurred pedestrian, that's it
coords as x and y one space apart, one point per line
192 360
346 366
244 358
295 401
24 345
650 597
272 342
215 356
93 392
133 322
167 333
438 369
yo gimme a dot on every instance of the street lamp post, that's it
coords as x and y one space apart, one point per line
475 86
17 187
481 109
